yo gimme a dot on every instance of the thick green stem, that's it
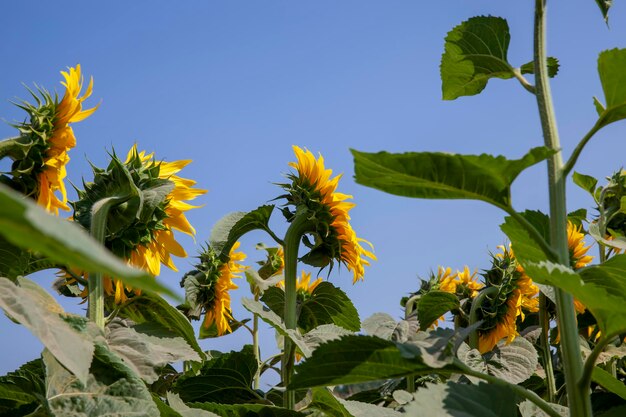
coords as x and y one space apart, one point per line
590 363
476 304
408 310
299 226
544 322
579 402
95 299
256 384
519 390
12 147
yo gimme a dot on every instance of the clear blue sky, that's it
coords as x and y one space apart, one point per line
234 84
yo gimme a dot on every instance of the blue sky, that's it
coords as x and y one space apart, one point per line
232 85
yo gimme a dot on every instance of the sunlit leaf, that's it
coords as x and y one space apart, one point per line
608 382
184 410
586 182
612 70
28 226
234 225
433 305
324 400
444 176
21 390
30 305
454 400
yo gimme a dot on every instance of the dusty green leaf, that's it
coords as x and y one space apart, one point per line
323 334
324 400
433 305
233 226
112 389
246 410
461 400
145 349
255 280
30 305
612 71
184 410
444 176
360 409
226 379
28 226
608 382
529 409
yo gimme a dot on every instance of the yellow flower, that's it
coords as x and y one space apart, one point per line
303 285
463 281
219 313
315 188
576 245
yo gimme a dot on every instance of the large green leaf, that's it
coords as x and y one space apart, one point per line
444 176
514 362
15 261
184 410
612 70
21 390
608 382
327 304
234 225
28 226
528 408
30 305
146 348
354 359
324 400
151 308
461 400
226 379
112 389
384 326
246 410
433 305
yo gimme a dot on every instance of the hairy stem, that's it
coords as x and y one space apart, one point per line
476 304
523 81
11 147
590 363
544 322
579 148
579 402
256 384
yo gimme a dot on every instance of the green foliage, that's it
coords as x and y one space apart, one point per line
612 70
384 326
530 409
586 182
433 305
454 400
226 379
327 304
608 382
324 400
111 389
444 176
21 390
233 226
604 6
246 410
26 225
30 305
184 410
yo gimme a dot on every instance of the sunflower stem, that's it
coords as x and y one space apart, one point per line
13 147
579 401
255 345
544 322
590 363
476 304
299 226
95 298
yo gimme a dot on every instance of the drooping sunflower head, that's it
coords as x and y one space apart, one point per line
39 166
313 189
141 228
207 288
577 248
515 294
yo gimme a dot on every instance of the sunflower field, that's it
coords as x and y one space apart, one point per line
536 328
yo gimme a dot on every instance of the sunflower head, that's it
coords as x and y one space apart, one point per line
304 286
207 289
516 294
312 190
141 228
39 162
577 248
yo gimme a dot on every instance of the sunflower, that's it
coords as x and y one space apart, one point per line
145 238
314 189
577 254
41 168
462 283
218 311
516 294
304 286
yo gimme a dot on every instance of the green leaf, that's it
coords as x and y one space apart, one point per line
151 308
262 284
475 51
21 390
618 411
359 409
586 182
234 225
277 323
324 401
111 389
147 348
604 6
324 334
433 305
246 410
455 400
529 409
28 226
16 261
612 70
354 359
553 67
514 362
184 410
384 326
164 409
524 246
226 379
608 382
30 305
444 176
